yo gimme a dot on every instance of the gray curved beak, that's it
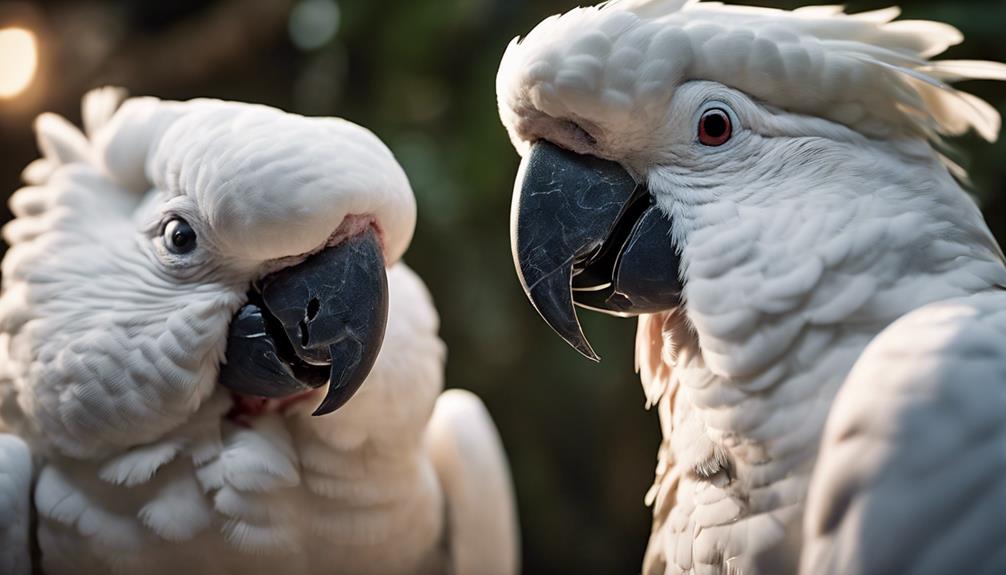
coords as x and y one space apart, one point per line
583 232
321 321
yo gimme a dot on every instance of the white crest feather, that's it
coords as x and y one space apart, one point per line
99 105
816 60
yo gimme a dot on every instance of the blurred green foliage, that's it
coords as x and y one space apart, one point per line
421 74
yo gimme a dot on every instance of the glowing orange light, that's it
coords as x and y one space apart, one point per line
18 60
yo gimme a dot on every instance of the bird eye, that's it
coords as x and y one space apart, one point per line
715 127
179 237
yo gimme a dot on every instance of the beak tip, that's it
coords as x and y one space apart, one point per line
586 350
339 393
323 409
576 339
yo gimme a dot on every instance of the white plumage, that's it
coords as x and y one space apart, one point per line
15 501
827 233
111 346
618 65
911 471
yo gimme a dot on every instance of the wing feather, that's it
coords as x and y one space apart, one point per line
15 506
912 472
472 467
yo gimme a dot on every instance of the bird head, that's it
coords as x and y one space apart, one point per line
178 245
762 171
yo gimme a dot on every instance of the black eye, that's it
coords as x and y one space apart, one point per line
179 237
715 127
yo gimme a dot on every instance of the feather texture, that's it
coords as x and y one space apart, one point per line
626 58
468 456
111 347
912 466
15 506
829 213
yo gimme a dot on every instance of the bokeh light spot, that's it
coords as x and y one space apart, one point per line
313 23
18 61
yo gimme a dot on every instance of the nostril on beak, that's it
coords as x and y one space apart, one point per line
313 307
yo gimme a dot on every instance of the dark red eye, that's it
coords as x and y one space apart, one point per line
715 128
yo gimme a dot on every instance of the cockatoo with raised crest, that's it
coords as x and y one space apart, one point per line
187 283
822 316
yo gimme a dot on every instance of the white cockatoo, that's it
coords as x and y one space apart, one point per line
184 279
822 316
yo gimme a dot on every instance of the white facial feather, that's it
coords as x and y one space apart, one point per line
113 341
265 197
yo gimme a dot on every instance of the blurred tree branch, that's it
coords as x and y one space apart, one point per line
184 53
197 47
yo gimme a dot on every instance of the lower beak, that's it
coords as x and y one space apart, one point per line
583 232
321 321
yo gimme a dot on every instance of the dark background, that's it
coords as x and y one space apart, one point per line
421 74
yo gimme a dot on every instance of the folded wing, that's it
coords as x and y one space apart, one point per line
482 534
15 506
912 472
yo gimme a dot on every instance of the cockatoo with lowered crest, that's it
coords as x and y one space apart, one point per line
186 283
822 321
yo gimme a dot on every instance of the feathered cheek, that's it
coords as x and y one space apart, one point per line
108 387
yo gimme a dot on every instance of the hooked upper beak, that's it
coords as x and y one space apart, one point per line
321 321
583 231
